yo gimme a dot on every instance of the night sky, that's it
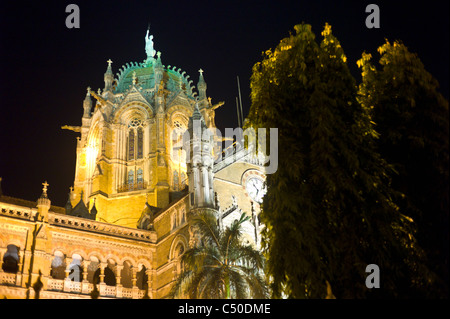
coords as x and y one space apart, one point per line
46 67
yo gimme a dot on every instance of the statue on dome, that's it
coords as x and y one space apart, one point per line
149 45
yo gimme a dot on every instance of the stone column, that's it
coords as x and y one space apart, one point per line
119 280
135 289
67 271
2 253
85 281
102 272
102 278
22 272
149 273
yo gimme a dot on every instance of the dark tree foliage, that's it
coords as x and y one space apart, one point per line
329 210
411 118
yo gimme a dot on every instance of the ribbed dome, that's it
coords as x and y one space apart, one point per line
145 72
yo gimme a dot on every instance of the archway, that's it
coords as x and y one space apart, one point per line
11 259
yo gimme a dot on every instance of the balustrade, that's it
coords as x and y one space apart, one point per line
86 288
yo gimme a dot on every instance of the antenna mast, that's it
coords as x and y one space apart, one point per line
237 110
240 102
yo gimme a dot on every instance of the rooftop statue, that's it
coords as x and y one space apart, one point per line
149 45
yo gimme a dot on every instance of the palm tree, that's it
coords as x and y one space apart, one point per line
221 266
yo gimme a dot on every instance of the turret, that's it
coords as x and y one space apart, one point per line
199 146
68 207
108 77
43 203
201 86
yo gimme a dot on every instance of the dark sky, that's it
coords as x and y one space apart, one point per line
46 67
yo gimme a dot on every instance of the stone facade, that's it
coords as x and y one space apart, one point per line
126 221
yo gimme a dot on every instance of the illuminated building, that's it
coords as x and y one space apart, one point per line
126 221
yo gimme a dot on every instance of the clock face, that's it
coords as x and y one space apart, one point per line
255 189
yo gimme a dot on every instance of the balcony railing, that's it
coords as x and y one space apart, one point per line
61 285
7 278
129 187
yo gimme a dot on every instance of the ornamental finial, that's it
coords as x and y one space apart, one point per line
44 189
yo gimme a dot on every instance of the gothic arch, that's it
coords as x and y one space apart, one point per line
126 112
16 242
175 110
97 255
112 257
58 264
98 116
79 252
145 263
11 259
179 239
129 259
59 249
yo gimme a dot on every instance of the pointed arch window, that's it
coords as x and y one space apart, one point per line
131 177
140 143
140 176
131 144
135 140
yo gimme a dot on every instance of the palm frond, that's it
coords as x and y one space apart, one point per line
221 264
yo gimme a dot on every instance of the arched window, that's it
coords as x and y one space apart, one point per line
76 271
140 176
142 279
58 266
183 216
109 279
178 154
130 144
11 259
140 143
130 177
135 140
177 254
126 275
174 220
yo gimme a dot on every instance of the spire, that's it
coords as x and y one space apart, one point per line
201 86
196 116
108 77
80 209
93 211
43 203
68 205
87 104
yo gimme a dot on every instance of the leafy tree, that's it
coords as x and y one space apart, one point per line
328 210
411 118
221 266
